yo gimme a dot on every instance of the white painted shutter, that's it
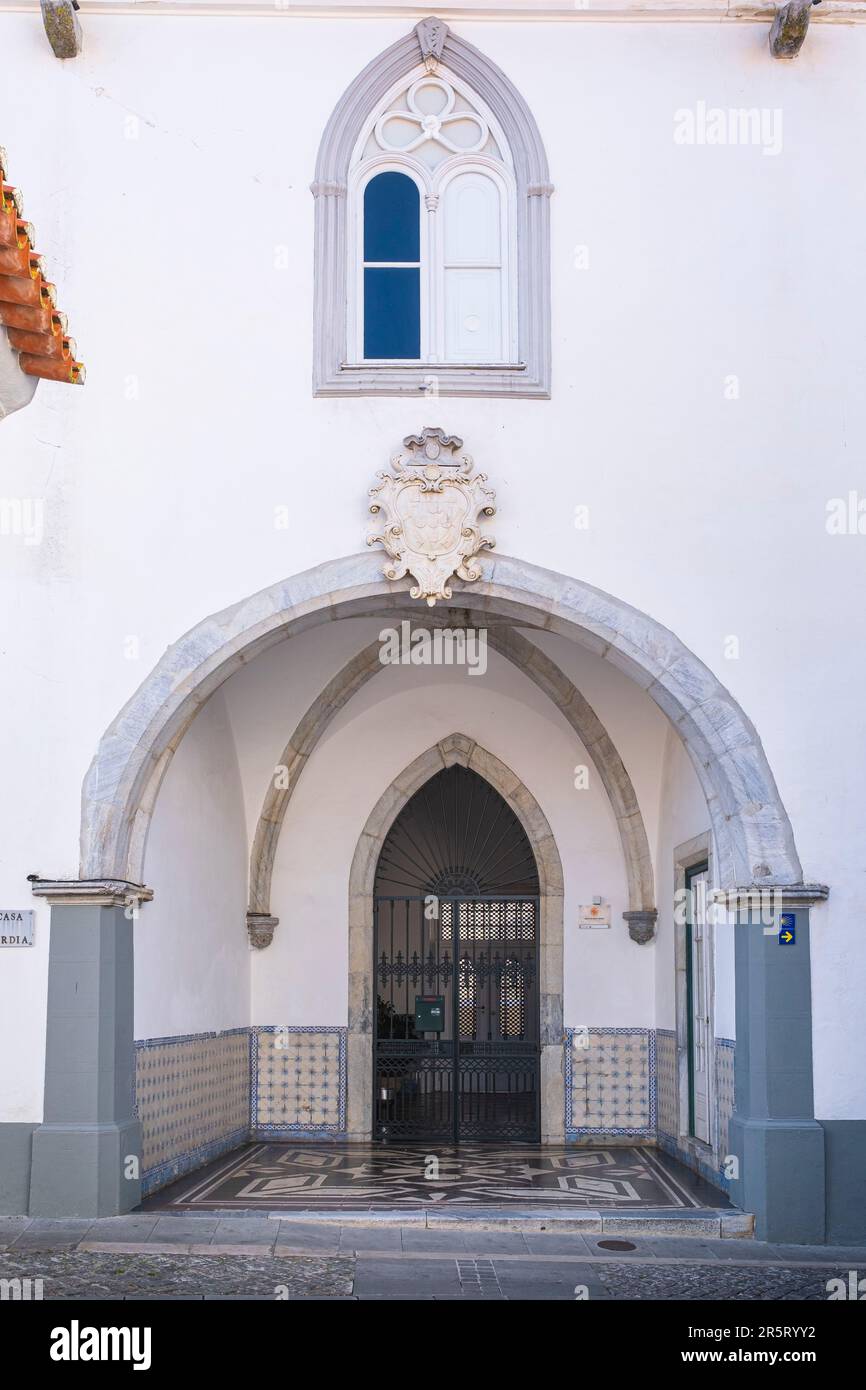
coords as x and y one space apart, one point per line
472 216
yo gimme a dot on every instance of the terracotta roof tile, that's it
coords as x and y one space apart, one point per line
28 304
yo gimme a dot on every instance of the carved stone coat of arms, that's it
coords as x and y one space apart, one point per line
432 503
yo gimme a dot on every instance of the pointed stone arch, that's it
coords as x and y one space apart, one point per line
754 838
455 749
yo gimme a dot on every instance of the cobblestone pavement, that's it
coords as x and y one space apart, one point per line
68 1274
752 1283
522 1279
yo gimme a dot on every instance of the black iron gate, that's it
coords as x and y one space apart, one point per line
456 1052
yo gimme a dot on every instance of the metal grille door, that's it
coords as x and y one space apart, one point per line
469 967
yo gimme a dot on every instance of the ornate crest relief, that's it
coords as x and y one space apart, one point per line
432 502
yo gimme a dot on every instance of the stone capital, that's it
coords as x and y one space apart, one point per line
261 927
95 892
641 924
783 896
328 190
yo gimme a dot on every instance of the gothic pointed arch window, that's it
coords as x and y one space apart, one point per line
432 204
432 229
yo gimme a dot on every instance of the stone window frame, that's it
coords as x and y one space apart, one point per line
433 44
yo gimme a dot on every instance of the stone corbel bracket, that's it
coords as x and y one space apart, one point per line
789 28
261 927
62 27
642 925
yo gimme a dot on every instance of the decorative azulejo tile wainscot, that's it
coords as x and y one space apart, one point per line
192 1097
667 1082
610 1084
724 1090
298 1082
702 1159
622 1086
201 1095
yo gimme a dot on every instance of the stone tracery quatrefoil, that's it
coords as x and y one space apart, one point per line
430 123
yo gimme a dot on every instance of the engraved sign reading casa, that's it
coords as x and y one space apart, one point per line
16 926
432 503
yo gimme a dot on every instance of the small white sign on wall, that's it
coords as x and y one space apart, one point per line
16 926
595 915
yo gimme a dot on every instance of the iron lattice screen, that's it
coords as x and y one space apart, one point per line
483 920
477 1076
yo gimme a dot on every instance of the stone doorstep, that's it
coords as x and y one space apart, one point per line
706 1223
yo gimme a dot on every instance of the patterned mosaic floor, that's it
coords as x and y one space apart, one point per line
369 1177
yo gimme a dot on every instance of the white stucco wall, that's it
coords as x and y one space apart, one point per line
192 967
164 171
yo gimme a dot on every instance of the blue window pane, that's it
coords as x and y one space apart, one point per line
392 313
392 219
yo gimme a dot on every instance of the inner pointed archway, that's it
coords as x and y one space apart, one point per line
538 667
455 968
456 750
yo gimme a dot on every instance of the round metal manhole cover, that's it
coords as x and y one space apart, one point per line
615 1245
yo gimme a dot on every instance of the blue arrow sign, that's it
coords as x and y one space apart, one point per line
787 929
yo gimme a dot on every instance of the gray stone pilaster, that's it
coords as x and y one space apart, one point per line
15 1143
845 1157
86 1158
774 1135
